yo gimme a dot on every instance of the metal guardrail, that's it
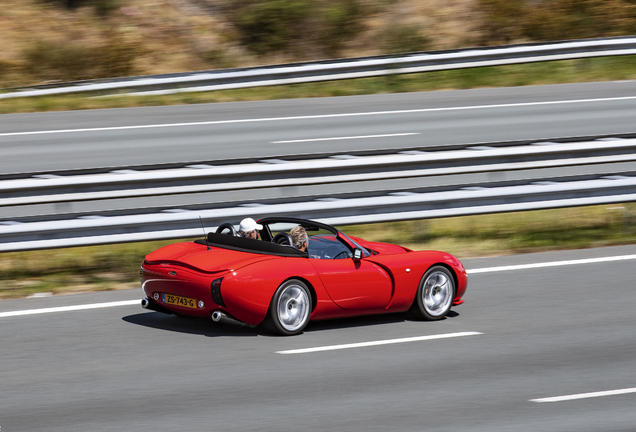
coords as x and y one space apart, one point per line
361 67
281 173
535 189
120 229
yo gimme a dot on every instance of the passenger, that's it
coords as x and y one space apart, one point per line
249 228
300 238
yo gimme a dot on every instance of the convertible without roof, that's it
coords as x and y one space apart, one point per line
268 281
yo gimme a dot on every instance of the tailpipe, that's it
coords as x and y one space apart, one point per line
150 305
220 317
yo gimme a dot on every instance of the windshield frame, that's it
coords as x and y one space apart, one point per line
266 233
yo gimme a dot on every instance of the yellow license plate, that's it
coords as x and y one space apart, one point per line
179 301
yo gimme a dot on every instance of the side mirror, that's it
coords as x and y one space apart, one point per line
357 254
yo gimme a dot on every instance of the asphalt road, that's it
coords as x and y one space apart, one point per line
544 332
126 137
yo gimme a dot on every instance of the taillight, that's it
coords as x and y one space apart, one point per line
215 290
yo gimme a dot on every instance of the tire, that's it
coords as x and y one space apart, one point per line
435 294
290 308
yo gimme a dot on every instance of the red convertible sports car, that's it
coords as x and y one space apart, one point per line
243 281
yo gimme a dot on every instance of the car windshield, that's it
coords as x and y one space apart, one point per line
365 252
327 246
323 243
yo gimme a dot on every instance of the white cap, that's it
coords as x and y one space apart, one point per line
249 224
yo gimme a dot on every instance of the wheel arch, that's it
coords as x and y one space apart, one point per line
249 290
441 264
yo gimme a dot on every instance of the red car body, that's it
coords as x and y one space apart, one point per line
239 277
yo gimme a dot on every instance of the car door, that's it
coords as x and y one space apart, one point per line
352 284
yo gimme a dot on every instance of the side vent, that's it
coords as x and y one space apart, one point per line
215 290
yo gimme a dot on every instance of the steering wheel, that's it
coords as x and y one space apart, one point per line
284 239
346 254
332 250
227 226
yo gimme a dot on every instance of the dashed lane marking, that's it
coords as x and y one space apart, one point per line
377 343
345 138
551 264
584 395
69 308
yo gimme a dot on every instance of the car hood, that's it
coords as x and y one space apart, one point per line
198 257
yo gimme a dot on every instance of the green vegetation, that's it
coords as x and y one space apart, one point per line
102 7
504 21
404 39
271 25
117 266
569 71
94 268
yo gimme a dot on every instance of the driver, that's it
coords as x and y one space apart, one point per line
300 238
249 228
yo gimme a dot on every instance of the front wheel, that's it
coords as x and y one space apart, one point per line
290 308
435 294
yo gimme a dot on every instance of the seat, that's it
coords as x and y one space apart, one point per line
284 239
227 227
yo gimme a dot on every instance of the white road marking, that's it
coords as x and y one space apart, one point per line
345 138
376 343
584 395
551 264
70 308
255 120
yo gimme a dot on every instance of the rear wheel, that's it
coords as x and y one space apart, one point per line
435 294
290 308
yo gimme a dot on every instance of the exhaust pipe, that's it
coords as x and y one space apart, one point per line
220 317
147 304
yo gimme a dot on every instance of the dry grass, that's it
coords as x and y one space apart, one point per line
174 36
184 35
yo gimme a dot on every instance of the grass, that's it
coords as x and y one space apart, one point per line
557 72
94 268
99 268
